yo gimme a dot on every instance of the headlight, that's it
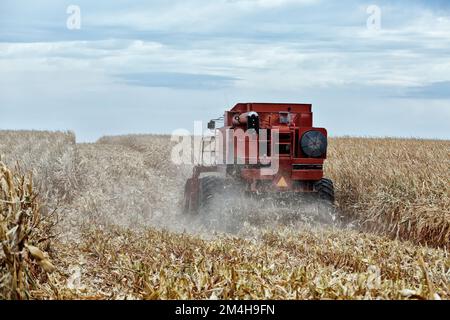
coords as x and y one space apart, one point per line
314 144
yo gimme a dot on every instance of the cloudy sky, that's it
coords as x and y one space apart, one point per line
155 66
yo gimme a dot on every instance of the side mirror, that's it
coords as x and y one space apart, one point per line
212 125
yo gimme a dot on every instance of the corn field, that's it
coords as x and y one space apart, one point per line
103 221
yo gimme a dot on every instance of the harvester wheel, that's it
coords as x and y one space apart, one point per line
325 189
325 193
187 197
209 187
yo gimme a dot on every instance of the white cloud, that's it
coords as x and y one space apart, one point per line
191 15
281 65
304 52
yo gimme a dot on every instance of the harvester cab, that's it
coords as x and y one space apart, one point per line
264 149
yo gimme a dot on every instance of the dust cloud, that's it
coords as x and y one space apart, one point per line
129 181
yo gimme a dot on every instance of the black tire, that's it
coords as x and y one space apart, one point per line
187 197
209 187
325 190
325 195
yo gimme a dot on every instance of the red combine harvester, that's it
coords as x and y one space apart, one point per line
265 149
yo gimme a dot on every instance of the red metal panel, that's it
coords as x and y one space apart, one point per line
307 161
272 107
306 119
312 175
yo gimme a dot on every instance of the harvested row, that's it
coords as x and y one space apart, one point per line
282 264
51 156
119 189
155 149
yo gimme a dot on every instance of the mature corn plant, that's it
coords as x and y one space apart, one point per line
22 231
397 187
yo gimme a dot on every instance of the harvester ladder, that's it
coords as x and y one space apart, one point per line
208 148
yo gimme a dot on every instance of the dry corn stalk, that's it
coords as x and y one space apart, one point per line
20 224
